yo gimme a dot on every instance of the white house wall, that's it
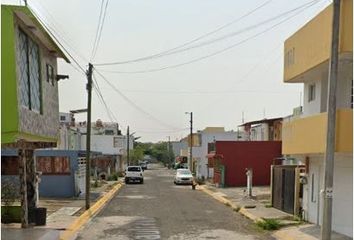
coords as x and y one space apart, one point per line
201 152
102 143
314 106
342 210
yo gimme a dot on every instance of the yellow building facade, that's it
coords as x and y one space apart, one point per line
306 60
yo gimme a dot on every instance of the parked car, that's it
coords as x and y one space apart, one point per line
134 173
143 165
183 176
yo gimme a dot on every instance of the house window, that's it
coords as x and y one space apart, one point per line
289 57
62 118
53 165
29 72
50 74
108 132
312 92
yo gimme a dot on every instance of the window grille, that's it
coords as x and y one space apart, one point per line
29 72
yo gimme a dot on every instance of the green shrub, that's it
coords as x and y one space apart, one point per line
269 224
113 177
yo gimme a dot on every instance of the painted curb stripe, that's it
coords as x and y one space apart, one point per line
88 214
225 201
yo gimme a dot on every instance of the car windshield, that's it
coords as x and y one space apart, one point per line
134 169
184 171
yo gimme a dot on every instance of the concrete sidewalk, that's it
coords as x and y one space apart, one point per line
61 213
258 208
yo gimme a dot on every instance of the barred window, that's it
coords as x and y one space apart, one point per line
53 165
29 72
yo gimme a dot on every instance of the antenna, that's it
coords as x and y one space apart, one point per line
243 117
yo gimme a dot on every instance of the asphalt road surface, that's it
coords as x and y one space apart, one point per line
158 209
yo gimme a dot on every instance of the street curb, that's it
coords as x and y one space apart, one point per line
243 211
71 231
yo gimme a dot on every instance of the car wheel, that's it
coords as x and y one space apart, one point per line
126 181
142 181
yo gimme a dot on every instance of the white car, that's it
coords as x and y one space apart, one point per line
183 176
134 173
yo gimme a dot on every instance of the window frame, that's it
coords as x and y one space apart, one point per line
312 93
31 40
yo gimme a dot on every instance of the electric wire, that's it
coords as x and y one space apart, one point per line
216 52
215 40
50 31
133 103
109 112
57 28
99 29
189 42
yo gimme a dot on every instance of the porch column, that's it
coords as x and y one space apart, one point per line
23 187
30 179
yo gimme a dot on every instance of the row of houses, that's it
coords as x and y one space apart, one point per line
41 147
288 152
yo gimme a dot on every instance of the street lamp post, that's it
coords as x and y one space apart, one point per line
191 142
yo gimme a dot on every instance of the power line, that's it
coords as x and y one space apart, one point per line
100 96
215 40
189 42
55 26
50 31
217 52
100 25
132 102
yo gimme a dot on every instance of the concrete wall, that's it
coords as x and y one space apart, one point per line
45 123
260 132
239 155
342 220
311 43
59 185
104 144
201 152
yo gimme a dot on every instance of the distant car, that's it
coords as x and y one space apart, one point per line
143 165
133 174
183 176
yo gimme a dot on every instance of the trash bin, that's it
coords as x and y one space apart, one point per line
41 216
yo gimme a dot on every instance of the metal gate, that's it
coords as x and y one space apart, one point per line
283 188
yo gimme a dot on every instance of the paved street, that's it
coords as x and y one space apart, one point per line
160 210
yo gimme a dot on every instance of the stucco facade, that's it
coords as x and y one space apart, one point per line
304 137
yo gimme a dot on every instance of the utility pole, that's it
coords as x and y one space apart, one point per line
88 135
326 228
191 144
128 141
169 151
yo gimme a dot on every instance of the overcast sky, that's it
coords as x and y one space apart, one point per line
248 77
